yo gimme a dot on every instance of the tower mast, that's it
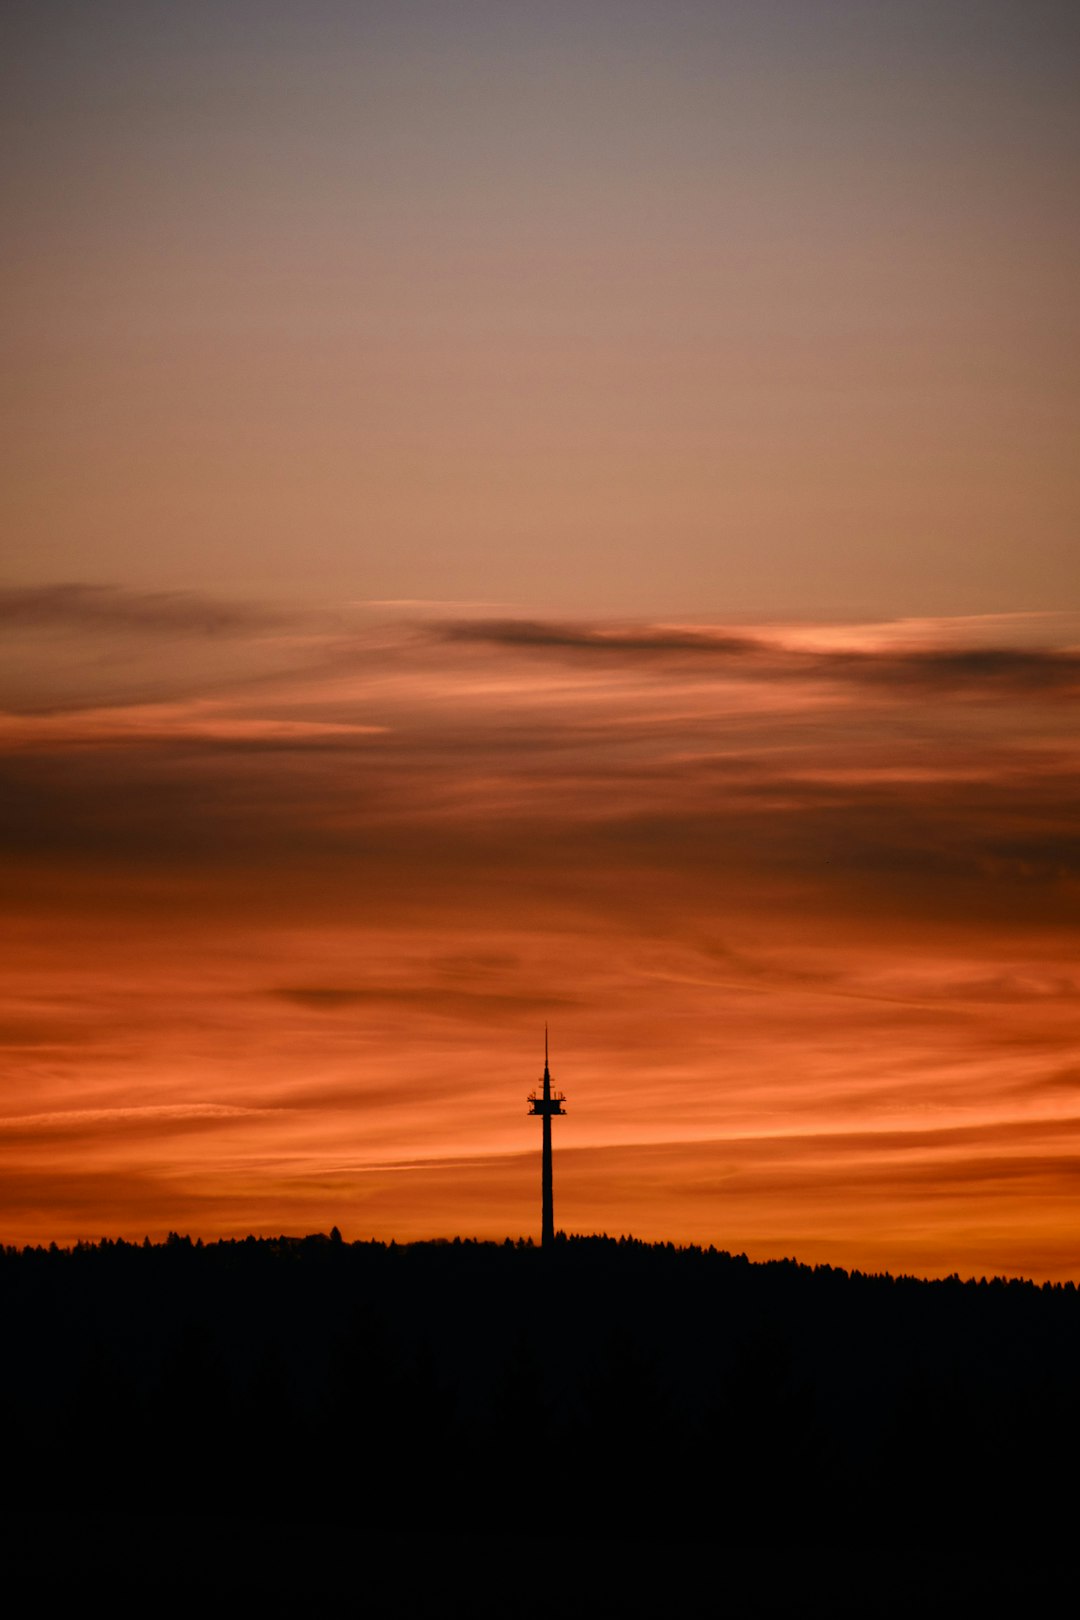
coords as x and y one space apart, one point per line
546 1103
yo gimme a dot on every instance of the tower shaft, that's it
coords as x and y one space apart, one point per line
547 1196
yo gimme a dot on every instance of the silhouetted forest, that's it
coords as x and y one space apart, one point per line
629 1393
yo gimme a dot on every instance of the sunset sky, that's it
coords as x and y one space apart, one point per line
520 512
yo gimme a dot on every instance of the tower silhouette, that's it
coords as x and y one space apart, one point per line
546 1103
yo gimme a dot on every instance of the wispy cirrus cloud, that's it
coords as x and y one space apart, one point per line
115 610
78 646
1053 671
147 1114
447 1000
619 641
200 720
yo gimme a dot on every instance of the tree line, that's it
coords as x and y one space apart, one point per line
636 1390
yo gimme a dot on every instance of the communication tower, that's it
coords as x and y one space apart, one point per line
545 1103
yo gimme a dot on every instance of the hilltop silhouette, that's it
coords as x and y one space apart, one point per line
680 1400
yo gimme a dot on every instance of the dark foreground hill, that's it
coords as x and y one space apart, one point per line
445 1427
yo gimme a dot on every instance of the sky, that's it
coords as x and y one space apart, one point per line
522 513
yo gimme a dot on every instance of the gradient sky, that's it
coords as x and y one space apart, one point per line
520 511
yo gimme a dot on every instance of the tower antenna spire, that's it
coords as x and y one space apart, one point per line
546 1103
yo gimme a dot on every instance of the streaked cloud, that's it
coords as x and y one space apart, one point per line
79 1118
435 998
943 667
198 720
112 609
550 635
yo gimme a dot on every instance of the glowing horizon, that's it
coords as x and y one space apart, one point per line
793 903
